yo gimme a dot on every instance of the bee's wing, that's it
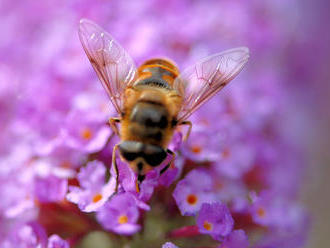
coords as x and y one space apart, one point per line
200 82
112 64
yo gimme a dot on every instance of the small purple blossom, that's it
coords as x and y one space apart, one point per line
169 245
176 142
263 208
128 183
203 144
271 210
93 191
215 219
168 176
55 241
194 190
17 194
235 159
27 235
127 177
148 185
89 134
50 189
236 239
120 214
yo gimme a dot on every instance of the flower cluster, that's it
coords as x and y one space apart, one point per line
234 183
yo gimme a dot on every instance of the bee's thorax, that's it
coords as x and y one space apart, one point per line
157 72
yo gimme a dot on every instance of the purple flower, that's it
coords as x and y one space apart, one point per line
120 214
55 241
51 173
169 176
271 210
235 160
215 219
26 235
169 245
85 131
128 183
93 191
176 142
61 161
16 190
236 239
148 185
50 189
128 179
262 210
203 144
194 190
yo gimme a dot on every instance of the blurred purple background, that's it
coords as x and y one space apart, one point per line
42 64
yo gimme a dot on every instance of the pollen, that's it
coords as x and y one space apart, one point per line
192 199
261 212
208 226
122 219
196 149
86 133
97 198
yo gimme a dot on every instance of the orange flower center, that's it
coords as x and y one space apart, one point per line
205 122
97 198
86 133
207 225
219 185
196 149
122 219
192 199
65 164
261 212
36 202
226 153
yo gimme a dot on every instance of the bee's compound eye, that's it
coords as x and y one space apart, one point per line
130 150
154 155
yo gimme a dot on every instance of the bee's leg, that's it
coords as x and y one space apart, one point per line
137 186
170 163
114 163
189 128
112 122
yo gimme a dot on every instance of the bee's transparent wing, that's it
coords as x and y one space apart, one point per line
200 82
112 64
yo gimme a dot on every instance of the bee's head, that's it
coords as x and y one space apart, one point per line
142 157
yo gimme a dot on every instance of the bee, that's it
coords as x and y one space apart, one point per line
155 98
